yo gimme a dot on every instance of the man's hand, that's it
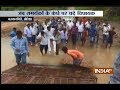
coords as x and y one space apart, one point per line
18 50
63 61
39 40
116 36
28 54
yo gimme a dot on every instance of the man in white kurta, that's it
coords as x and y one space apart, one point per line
49 32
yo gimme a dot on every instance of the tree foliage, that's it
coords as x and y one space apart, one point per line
109 13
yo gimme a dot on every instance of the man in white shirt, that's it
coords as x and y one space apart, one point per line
64 37
109 26
45 26
36 24
105 33
28 33
88 26
49 33
106 23
70 24
43 42
57 39
49 22
77 23
80 30
60 25
34 32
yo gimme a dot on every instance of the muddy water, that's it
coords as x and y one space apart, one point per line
94 57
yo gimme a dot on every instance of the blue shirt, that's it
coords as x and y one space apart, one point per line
21 44
92 32
54 23
13 33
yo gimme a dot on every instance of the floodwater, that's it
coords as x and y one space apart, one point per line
94 57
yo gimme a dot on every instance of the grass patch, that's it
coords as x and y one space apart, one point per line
32 8
113 18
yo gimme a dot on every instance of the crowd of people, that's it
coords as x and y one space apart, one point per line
56 32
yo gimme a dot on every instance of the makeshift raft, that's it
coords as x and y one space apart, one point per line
40 74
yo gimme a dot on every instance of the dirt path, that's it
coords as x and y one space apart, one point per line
6 27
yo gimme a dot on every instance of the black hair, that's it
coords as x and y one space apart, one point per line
28 24
88 19
14 28
31 24
64 49
19 32
64 28
113 28
48 27
99 22
74 22
42 33
63 19
84 26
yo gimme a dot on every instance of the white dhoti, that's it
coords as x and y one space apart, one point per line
51 48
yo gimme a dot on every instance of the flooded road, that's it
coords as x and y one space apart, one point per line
94 57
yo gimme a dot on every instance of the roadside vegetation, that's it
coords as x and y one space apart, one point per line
109 13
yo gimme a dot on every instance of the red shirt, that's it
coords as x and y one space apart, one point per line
84 20
76 54
84 33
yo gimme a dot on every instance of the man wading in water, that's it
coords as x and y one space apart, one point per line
21 49
76 55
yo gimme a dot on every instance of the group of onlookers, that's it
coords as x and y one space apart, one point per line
54 32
